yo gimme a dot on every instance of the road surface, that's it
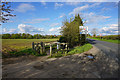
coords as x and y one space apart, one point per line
110 49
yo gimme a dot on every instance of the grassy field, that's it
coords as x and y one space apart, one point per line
19 47
20 44
112 41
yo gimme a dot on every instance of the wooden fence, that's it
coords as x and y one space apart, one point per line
40 47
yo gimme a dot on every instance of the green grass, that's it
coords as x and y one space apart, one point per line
80 49
112 41
20 44
19 47
24 52
76 50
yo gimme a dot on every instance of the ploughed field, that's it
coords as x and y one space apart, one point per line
10 45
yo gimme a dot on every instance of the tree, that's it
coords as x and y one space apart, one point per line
94 31
5 12
6 36
23 36
70 31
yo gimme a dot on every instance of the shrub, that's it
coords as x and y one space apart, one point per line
113 37
62 39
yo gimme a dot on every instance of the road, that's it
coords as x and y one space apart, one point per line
110 49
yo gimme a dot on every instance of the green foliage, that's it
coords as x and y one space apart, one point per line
112 37
62 39
28 36
6 36
82 39
109 38
70 31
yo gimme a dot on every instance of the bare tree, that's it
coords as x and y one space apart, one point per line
5 12
94 31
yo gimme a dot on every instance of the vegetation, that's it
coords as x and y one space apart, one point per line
76 50
109 38
18 45
71 35
5 12
112 37
94 31
70 31
28 36
24 52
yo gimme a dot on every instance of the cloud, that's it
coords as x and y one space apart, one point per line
43 2
9 31
81 8
54 24
78 9
29 29
105 9
95 4
24 8
58 5
62 15
38 20
72 3
94 18
55 29
111 30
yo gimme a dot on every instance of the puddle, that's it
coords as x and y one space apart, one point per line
91 57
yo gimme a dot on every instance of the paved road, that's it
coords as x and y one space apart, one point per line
110 49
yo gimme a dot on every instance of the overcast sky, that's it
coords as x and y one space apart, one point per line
46 17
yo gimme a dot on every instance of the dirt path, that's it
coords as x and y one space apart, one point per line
73 66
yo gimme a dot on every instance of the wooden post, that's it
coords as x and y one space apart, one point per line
57 47
43 47
39 49
50 50
33 45
67 48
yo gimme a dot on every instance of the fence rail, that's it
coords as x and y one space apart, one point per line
40 47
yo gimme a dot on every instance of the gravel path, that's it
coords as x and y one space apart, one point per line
73 66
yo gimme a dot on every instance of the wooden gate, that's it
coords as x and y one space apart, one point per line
40 47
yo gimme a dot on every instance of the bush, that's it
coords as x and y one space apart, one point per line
82 39
62 39
112 37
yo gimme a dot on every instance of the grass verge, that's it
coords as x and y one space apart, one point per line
76 50
112 41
